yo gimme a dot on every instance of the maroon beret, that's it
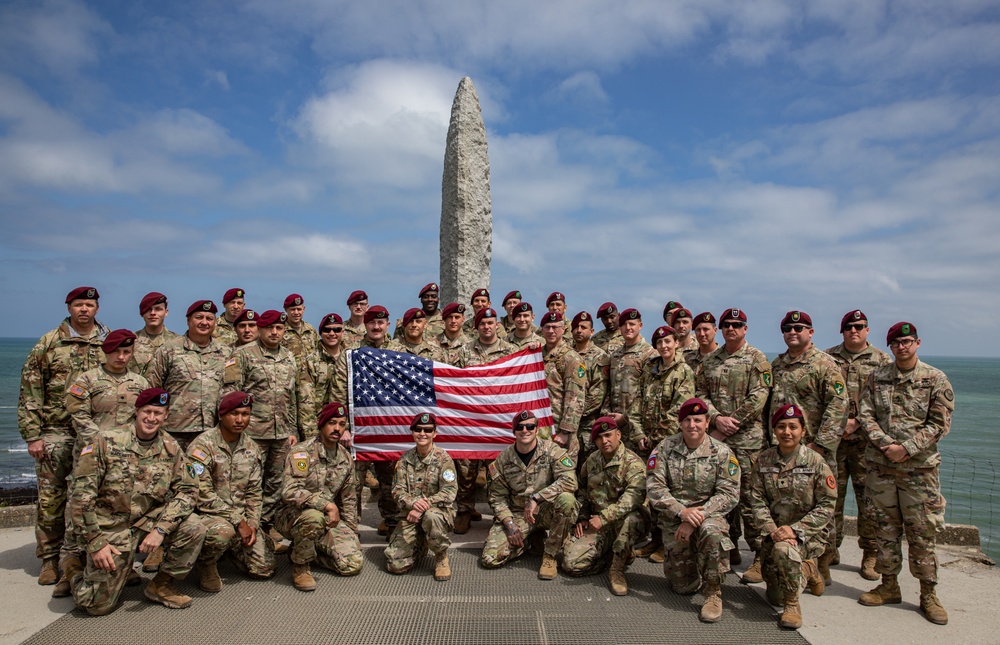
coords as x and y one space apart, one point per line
478 293
356 296
522 307
521 416
150 299
429 287
512 294
331 319
852 317
376 313
233 294
332 410
247 315
117 338
583 316
202 305
691 406
606 309
82 293
152 396
555 295
600 425
680 313
453 308
293 300
787 411
733 314
271 317
671 304
423 419
234 400
797 318
485 312
550 317
899 330
629 314
413 314
662 332
704 317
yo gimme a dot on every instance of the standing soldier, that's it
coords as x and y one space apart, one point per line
734 381
319 512
125 495
704 333
566 378
524 328
597 362
611 492
190 368
429 299
246 328
453 338
609 339
424 487
906 409
226 507
792 495
556 303
510 301
692 481
857 359
812 380
354 327
233 302
413 340
318 367
153 309
626 368
52 366
681 321
480 300
531 487
669 309
300 338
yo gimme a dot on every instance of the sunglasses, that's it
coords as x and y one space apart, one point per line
733 324
419 430
796 328
854 326
335 330
527 426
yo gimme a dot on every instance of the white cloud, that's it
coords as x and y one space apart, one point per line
289 254
62 35
582 86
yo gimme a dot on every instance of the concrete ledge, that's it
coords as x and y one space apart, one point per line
15 516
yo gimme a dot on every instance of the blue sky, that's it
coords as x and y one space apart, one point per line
767 155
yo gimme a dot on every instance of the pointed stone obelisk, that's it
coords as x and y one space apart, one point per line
466 210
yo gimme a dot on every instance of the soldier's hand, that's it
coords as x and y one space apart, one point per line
783 534
514 535
579 528
717 435
644 444
332 515
36 448
105 558
529 511
247 535
818 449
726 425
693 516
619 419
151 542
896 453
852 427
561 439
683 532
346 439
292 440
534 346
421 505
414 516
595 523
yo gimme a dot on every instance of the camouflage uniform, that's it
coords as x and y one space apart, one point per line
302 341
613 489
609 341
851 461
662 390
316 373
623 382
145 346
798 491
737 385
193 376
520 343
566 378
353 334
431 478
424 349
122 490
281 408
598 367
550 476
452 348
912 409
225 332
228 490
678 478
100 400
475 353
53 364
435 326
314 477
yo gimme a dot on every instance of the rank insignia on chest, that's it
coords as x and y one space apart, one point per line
448 475
89 448
838 387
734 466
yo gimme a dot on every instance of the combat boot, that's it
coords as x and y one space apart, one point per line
791 618
152 562
71 567
279 541
442 568
302 578
930 606
133 579
161 589
650 547
735 557
658 556
754 574
463 522
887 593
49 574
836 557
617 576
475 515
711 611
868 561
548 569
814 581
210 580
774 594
824 566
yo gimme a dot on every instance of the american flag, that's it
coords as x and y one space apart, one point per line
473 405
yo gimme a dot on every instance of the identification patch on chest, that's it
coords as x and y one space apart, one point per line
448 475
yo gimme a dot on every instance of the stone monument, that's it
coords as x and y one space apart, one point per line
466 210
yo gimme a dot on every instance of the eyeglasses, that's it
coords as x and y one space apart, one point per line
419 430
796 328
527 427
335 330
902 342
855 326
733 324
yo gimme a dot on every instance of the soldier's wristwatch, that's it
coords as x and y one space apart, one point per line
161 531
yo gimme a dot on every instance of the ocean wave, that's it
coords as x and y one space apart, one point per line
25 449
18 480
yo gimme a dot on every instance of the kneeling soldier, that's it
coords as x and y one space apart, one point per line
612 516
319 512
425 487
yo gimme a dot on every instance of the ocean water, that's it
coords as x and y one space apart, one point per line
970 473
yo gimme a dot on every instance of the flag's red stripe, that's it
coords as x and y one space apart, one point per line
486 455
496 369
408 439
484 408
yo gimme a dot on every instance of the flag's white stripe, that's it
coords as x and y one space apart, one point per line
526 359
456 447
492 399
